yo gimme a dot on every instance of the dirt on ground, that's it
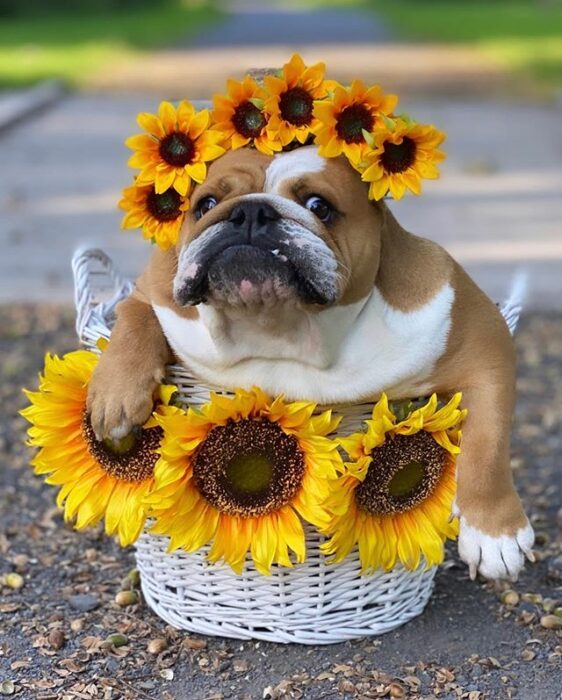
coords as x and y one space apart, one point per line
63 635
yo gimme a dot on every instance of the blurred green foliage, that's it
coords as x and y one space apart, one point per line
522 35
473 20
30 8
72 45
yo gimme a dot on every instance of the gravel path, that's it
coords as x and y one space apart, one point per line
54 629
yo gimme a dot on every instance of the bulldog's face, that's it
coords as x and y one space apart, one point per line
293 228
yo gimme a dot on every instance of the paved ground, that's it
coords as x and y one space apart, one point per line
497 207
270 24
465 645
354 42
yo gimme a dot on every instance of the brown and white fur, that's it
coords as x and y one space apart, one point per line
259 291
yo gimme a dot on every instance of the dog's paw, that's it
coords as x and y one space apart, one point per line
500 557
116 407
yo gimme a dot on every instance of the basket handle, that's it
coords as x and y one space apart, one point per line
89 311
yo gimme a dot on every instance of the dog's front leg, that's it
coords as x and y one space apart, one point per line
495 533
120 394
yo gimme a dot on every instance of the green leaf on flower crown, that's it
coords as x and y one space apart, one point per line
407 119
402 408
257 102
369 138
388 122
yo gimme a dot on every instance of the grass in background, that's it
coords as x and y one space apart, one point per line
72 46
523 35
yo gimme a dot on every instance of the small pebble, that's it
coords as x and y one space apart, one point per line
7 687
20 562
396 690
84 602
509 597
551 622
91 554
111 665
134 577
117 640
191 643
535 598
554 568
56 639
157 646
77 625
14 580
125 598
126 584
526 617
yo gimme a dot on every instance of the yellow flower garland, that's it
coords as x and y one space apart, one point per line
295 107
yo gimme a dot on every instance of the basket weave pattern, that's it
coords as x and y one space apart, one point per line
312 603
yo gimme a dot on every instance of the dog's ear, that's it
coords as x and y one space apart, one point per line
411 269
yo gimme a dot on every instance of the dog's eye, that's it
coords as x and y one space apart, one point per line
205 205
319 207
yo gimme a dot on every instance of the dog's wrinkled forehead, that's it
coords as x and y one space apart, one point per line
246 171
294 164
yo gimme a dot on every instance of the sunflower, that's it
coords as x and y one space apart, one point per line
344 119
291 97
97 478
160 216
240 118
238 472
400 157
176 148
395 497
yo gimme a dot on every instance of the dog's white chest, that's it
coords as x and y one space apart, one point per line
339 355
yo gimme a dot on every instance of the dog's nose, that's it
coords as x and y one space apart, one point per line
251 217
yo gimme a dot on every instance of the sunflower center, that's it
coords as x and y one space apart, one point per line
248 120
177 149
351 121
248 468
406 479
130 459
398 157
249 473
404 472
295 106
165 206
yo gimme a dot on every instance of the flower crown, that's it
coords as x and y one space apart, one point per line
295 107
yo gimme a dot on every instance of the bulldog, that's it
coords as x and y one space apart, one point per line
286 276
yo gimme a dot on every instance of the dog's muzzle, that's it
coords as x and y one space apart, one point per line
256 256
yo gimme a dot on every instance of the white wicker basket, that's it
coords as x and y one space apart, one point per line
311 603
